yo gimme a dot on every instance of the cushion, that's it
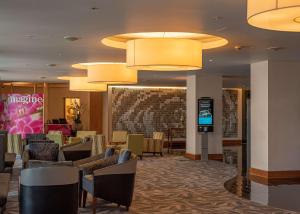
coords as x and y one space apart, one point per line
43 151
109 152
88 168
124 156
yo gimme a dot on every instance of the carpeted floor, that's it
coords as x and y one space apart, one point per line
174 184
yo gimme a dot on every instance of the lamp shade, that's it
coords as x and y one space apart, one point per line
109 73
280 15
165 54
81 84
164 51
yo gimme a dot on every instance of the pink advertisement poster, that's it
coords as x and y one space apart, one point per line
22 113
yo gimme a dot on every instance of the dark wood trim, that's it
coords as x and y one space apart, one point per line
267 177
192 156
216 157
232 143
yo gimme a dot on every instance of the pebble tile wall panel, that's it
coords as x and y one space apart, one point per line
148 110
155 109
230 113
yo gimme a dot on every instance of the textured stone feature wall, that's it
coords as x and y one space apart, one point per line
145 110
230 113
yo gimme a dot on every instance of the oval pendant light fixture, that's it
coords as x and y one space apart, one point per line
108 72
280 15
164 51
81 84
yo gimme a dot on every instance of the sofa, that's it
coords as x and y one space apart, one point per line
7 160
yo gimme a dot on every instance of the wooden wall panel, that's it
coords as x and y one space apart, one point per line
96 112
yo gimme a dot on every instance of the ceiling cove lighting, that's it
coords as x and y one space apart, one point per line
280 15
164 51
108 72
81 84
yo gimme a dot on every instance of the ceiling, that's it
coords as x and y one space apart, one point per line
32 35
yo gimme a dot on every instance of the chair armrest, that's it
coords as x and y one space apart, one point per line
90 167
89 159
69 145
40 163
129 167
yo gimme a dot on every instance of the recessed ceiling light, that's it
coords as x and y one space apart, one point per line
71 38
43 78
241 47
94 8
51 65
275 48
211 60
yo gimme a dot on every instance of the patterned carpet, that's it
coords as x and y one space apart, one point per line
174 184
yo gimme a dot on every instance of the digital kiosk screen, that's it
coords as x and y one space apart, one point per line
205 115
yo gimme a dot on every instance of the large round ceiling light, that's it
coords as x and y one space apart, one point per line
108 72
164 51
81 84
280 15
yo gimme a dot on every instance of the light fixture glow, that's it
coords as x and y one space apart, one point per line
109 73
81 84
280 15
164 51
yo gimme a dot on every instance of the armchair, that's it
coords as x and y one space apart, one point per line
87 165
7 160
119 137
57 138
34 137
134 143
155 144
49 190
77 151
80 135
113 183
42 154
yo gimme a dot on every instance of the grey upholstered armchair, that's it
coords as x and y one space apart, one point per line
49 190
114 183
88 165
43 154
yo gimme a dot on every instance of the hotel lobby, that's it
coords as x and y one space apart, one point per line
157 106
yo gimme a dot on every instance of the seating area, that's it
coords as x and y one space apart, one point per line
139 106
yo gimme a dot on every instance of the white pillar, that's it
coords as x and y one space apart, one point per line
200 85
275 120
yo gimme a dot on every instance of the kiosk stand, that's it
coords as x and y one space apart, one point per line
205 123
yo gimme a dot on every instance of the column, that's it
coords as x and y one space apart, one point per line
275 120
202 84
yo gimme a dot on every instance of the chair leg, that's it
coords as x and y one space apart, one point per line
94 204
84 198
80 197
161 154
127 208
141 157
